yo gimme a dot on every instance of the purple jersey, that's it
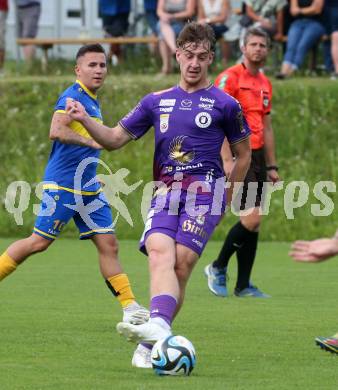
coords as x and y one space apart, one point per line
189 130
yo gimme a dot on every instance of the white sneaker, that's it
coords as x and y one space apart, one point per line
142 357
149 332
135 314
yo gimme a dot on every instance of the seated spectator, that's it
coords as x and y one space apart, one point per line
267 14
172 16
215 13
331 24
233 34
3 17
305 31
28 16
150 7
114 14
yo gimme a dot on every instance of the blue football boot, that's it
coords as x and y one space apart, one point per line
216 280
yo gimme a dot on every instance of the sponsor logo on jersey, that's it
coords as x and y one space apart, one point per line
207 100
198 243
203 120
176 152
178 168
167 102
186 105
206 106
164 122
166 109
190 226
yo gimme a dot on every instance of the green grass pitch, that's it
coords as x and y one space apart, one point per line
57 323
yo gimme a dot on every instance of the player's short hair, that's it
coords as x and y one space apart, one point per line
257 32
194 32
92 48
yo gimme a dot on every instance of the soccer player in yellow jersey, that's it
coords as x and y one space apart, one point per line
72 147
314 252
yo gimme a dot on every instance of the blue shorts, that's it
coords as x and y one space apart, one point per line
91 214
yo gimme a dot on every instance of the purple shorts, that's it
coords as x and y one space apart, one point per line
188 218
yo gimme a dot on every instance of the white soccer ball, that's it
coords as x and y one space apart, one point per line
174 355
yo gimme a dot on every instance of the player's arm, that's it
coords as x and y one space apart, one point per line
269 149
60 131
227 158
315 8
242 154
315 251
109 138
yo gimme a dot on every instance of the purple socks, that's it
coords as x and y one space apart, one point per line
163 306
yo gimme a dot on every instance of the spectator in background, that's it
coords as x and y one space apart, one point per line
267 14
172 16
114 14
28 14
232 35
287 18
331 24
305 31
215 13
3 17
150 7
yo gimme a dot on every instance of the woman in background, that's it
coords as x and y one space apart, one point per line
305 31
172 16
215 13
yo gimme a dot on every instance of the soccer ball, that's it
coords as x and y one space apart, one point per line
174 355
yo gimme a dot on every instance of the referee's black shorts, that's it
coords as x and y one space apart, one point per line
253 194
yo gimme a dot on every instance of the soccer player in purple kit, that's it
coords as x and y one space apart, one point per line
191 121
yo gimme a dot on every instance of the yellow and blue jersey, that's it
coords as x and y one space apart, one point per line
64 159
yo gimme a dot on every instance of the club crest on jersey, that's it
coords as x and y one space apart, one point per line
164 122
203 120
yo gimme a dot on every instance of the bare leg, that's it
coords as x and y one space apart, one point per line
166 57
252 221
107 247
29 53
20 250
226 52
334 50
168 36
185 263
162 257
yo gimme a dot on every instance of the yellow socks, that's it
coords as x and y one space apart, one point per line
7 265
119 285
